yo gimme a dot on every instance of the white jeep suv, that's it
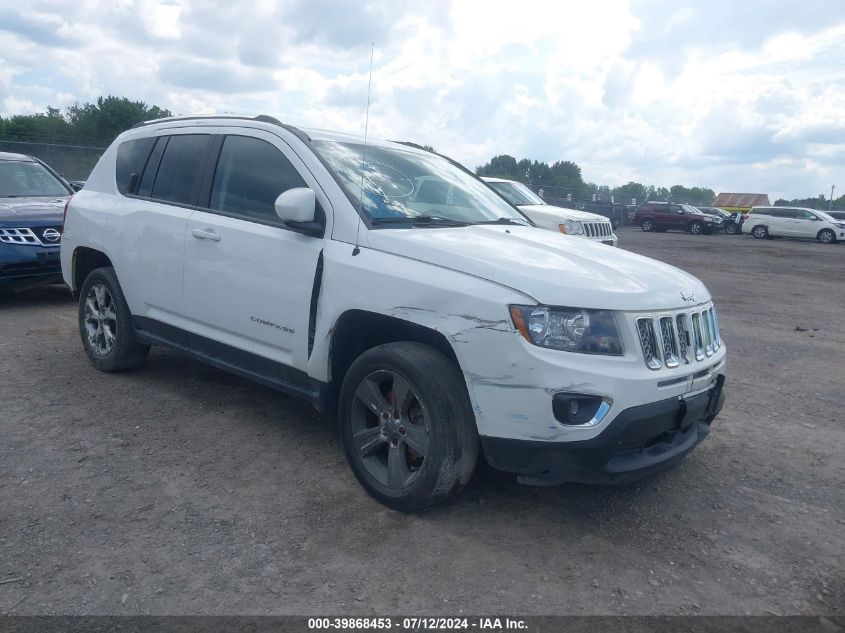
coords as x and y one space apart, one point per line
581 223
434 329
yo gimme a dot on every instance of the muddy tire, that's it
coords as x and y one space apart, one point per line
406 426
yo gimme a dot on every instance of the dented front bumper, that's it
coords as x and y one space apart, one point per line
639 441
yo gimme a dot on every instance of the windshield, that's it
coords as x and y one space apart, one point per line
402 185
517 193
690 209
825 216
23 179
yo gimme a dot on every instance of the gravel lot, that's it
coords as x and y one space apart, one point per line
179 489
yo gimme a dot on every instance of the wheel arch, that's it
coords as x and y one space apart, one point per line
356 331
85 260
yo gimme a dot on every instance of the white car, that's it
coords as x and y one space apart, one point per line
763 222
434 328
590 225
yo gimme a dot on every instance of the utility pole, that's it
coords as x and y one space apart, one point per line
830 204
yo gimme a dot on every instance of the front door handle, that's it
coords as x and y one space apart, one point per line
207 234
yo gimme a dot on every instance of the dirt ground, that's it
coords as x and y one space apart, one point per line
179 489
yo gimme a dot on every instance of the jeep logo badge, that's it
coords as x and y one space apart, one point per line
688 296
51 235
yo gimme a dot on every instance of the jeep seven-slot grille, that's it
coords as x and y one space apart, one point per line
680 339
597 229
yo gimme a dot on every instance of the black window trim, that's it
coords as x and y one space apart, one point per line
195 193
204 198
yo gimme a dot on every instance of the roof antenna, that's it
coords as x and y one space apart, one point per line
357 249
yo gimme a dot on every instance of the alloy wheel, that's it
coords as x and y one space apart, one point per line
100 319
390 429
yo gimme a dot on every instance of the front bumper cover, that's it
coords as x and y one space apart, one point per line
639 441
26 265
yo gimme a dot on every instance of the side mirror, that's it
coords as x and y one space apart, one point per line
296 208
75 186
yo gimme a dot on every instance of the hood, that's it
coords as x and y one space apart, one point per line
20 210
569 214
552 268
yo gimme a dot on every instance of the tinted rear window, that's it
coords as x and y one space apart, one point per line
180 168
129 157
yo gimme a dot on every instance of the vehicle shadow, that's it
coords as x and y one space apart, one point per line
55 294
295 422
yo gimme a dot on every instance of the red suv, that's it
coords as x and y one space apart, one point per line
662 216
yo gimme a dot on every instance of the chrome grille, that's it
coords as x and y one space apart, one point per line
18 236
708 336
645 328
697 338
597 229
679 338
668 343
683 337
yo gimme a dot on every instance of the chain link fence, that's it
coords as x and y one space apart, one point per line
73 159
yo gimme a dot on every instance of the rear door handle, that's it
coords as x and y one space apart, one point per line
207 234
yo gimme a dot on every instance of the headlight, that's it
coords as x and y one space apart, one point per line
571 227
841 225
569 329
708 219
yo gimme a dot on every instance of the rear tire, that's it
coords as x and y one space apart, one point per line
407 427
105 324
826 236
760 232
647 225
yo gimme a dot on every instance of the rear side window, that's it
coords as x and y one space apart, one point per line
250 175
181 168
129 157
145 189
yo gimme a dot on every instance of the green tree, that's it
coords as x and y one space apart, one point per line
110 116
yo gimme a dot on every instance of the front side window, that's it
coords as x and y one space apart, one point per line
180 168
24 179
394 185
517 193
250 175
805 215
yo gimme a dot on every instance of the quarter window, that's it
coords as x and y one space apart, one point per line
180 168
250 175
129 156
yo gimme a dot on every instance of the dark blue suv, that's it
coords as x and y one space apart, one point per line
32 201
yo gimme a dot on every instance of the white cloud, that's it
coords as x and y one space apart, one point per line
731 95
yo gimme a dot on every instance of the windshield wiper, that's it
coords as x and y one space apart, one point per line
511 221
420 220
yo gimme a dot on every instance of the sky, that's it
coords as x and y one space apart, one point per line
735 95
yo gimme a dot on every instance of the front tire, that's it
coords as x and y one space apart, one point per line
695 228
105 324
826 236
407 427
760 232
647 225
731 228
